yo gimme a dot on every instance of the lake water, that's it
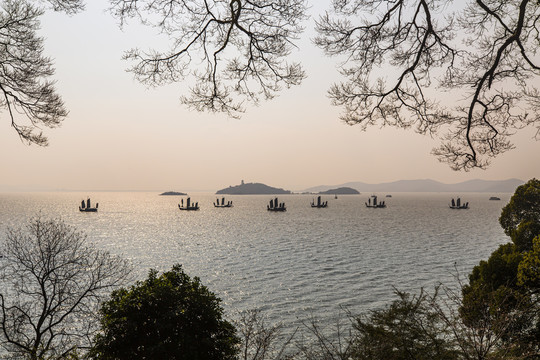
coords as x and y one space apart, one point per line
293 265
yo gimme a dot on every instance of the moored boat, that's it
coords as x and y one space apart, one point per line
375 204
276 206
458 205
87 207
189 205
320 204
223 204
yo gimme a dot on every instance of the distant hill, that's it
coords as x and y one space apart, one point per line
428 185
340 191
252 189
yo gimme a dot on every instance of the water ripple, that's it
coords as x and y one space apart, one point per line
294 265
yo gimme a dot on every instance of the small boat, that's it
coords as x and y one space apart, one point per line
494 198
335 197
458 205
189 205
320 204
87 207
276 206
388 195
374 204
223 204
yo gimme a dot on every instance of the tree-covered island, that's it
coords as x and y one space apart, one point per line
252 189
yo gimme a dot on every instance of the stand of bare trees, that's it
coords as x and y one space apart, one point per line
51 284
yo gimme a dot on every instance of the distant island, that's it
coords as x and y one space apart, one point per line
340 191
252 189
175 193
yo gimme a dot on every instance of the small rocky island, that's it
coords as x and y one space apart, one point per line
172 193
252 189
340 191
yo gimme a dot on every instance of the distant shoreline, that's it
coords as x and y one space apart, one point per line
419 185
428 185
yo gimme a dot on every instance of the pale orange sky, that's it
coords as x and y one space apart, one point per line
120 135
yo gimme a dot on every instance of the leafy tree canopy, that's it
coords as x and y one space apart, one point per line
520 218
529 268
492 286
167 316
500 269
501 294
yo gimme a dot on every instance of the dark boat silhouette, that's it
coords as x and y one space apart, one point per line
189 205
87 207
223 204
375 205
494 198
320 204
458 205
276 206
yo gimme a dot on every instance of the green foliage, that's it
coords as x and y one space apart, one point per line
494 302
499 270
492 286
529 268
169 316
520 218
526 231
499 298
410 328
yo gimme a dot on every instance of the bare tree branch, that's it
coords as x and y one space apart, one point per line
26 93
484 54
260 341
234 51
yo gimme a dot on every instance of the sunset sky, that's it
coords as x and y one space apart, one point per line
120 135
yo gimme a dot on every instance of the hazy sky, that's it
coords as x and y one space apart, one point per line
120 135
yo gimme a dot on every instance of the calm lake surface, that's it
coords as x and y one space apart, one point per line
293 265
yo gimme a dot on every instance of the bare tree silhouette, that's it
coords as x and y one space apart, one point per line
235 50
462 76
26 93
51 285
400 54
